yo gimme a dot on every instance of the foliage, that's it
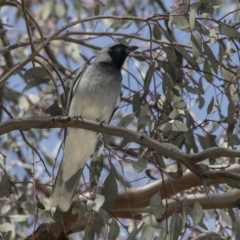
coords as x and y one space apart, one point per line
179 111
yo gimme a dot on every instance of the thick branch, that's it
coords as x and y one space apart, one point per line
186 159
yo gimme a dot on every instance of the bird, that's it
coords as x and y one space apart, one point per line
94 94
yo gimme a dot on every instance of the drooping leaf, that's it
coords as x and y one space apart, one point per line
150 220
187 56
99 201
136 104
5 186
211 57
96 10
140 164
229 31
192 19
126 120
180 21
147 232
210 106
175 227
94 228
110 190
207 72
197 213
18 217
156 32
173 114
143 118
113 230
47 217
157 206
178 126
196 44
37 76
133 233
9 229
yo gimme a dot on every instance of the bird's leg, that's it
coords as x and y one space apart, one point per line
100 121
79 116
74 119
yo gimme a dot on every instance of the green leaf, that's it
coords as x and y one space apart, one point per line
207 72
178 126
143 118
175 175
148 79
233 139
122 41
125 121
150 220
156 32
211 57
18 217
160 160
180 21
96 169
229 31
210 106
99 153
204 142
110 190
173 114
185 212
192 19
140 164
187 56
196 44
197 213
147 232
47 218
157 206
37 76
5 186
97 10
175 227
133 234
94 228
9 229
99 201
113 230
206 183
59 10
136 104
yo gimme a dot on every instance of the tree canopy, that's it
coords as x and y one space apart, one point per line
167 165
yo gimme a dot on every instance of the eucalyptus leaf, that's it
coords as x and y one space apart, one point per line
197 213
5 186
113 230
157 206
110 190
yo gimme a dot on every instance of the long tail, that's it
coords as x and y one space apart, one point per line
79 145
63 192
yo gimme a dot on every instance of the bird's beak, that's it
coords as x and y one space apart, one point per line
131 49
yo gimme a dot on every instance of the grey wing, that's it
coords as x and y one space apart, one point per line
57 196
74 84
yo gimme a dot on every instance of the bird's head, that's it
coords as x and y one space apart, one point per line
115 53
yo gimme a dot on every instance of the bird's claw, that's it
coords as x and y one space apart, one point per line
100 121
77 117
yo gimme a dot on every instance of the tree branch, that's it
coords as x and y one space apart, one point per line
189 160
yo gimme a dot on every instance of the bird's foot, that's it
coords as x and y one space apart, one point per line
100 121
77 117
